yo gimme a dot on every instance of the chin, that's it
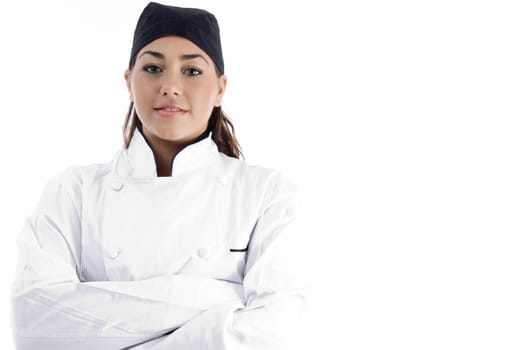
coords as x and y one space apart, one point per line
174 133
176 137
171 137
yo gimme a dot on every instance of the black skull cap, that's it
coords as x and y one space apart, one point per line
197 25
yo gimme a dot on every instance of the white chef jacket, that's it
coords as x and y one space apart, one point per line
115 257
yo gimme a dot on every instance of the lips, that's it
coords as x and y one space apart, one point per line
170 108
170 111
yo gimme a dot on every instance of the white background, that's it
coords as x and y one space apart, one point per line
403 122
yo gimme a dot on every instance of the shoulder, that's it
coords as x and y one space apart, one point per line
270 182
71 180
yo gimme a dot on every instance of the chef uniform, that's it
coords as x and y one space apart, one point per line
114 257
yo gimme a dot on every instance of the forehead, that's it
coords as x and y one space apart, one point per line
173 45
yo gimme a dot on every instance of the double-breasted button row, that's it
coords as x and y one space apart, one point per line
117 185
203 253
113 253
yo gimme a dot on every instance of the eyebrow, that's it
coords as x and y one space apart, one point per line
185 57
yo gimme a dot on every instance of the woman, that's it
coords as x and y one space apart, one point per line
174 244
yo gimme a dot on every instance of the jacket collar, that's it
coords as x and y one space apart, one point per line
139 159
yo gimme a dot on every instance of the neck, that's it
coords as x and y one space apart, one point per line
165 151
163 161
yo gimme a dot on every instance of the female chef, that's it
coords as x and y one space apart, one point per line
174 244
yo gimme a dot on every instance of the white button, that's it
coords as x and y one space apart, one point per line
117 185
222 180
113 253
203 253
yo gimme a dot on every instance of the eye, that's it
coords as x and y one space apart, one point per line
150 68
192 72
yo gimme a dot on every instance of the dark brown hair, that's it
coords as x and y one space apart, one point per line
222 129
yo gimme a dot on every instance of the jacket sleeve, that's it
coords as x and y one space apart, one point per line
274 288
51 308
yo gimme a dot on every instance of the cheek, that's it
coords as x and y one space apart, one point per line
142 101
208 95
208 101
140 91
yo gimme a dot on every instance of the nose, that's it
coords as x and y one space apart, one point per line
171 86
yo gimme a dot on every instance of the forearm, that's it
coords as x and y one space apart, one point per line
231 326
110 315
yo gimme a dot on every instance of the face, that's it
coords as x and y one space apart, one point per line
174 87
